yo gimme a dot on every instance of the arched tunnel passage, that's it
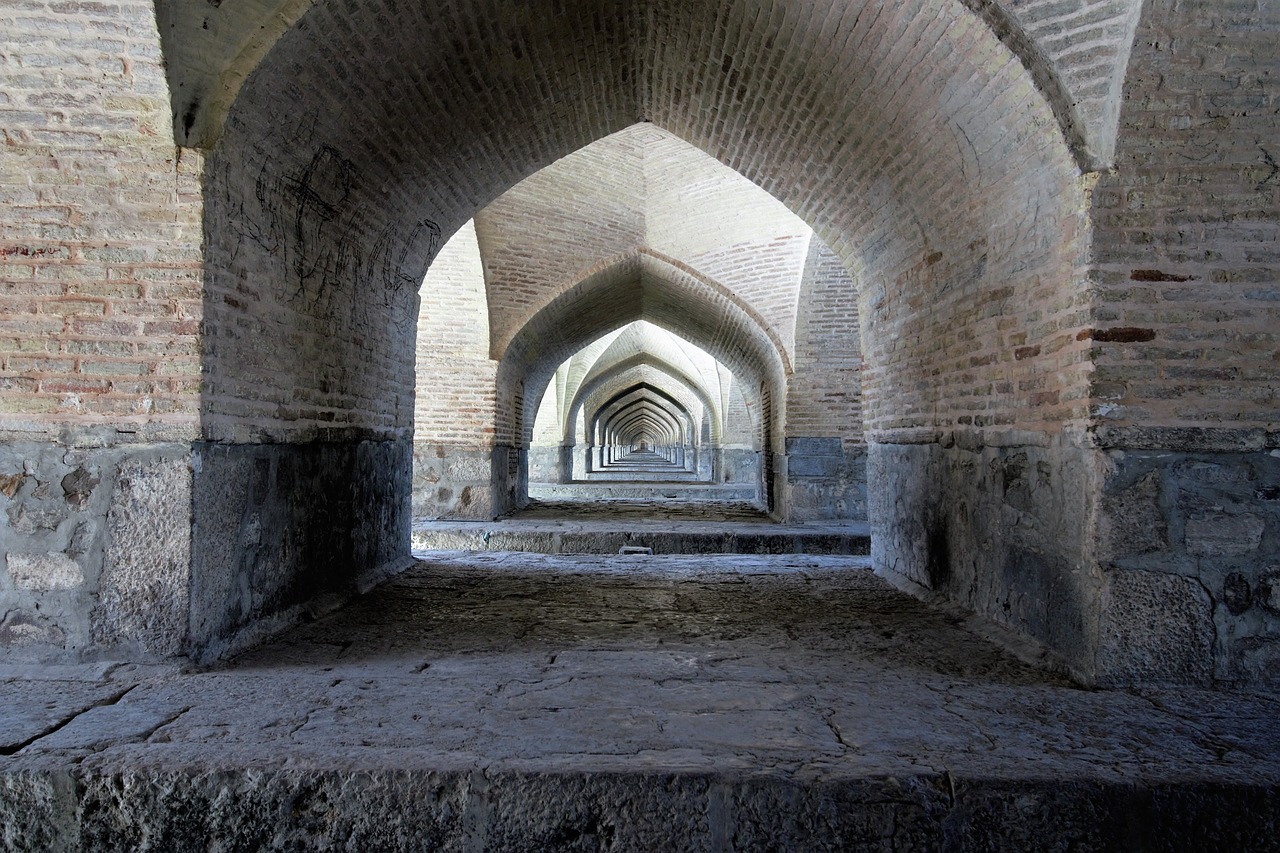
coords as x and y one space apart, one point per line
321 221
209 408
643 419
574 447
637 287
673 202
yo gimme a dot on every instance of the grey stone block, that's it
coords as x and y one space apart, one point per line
1269 589
44 571
1219 534
144 595
1131 521
814 446
1155 628
813 466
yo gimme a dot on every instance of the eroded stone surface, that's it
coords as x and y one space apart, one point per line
54 570
520 701
95 537
146 577
1158 625
1217 534
1216 528
1131 521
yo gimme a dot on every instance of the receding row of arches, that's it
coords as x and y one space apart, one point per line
709 304
867 280
904 287
642 387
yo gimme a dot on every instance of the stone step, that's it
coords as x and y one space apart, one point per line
605 490
609 474
551 536
311 804
593 526
712 703
655 467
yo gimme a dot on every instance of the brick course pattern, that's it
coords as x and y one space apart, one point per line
901 194
454 397
824 395
100 260
1187 242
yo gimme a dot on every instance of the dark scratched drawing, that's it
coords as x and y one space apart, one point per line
311 223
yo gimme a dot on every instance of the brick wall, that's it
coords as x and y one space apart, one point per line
454 394
1184 341
100 261
824 394
1187 269
957 278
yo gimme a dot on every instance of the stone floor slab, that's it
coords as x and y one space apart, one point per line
514 701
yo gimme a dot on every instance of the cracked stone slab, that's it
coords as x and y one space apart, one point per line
657 690
30 708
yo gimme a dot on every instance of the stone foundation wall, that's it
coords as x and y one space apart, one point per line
96 544
287 529
825 480
995 522
546 464
1190 540
465 482
739 465
1136 563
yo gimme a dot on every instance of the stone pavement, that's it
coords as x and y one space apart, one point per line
504 701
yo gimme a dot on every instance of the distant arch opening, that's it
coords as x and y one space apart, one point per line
687 409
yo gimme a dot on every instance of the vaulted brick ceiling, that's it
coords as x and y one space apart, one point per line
1076 49
640 189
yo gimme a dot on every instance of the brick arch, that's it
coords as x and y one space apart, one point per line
340 173
315 187
618 373
637 402
748 317
633 288
654 386
211 52
641 189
